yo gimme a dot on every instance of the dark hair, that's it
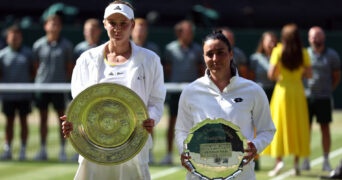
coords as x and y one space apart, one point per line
292 55
54 17
178 28
13 28
260 47
217 34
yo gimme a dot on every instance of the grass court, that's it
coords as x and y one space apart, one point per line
55 170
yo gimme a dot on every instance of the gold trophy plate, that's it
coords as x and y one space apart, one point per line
107 123
216 148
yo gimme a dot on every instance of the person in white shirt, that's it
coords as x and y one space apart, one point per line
222 93
120 61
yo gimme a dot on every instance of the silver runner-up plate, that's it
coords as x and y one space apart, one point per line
216 148
107 123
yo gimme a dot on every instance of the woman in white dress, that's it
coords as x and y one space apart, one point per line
120 61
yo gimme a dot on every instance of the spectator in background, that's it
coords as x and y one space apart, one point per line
259 64
326 65
139 37
240 58
16 66
289 63
183 62
92 30
140 34
53 57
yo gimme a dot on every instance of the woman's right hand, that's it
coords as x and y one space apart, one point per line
185 161
66 126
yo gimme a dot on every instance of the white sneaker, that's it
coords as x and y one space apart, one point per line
7 155
167 160
306 165
22 154
41 155
62 156
326 165
276 169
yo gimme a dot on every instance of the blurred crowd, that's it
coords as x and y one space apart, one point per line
52 57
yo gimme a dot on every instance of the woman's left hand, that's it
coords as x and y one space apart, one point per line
67 126
251 153
148 125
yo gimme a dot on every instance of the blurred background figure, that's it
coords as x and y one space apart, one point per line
260 61
240 58
140 35
326 70
92 30
16 66
53 56
259 65
183 62
289 63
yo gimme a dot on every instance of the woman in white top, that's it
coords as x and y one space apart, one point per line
221 93
120 61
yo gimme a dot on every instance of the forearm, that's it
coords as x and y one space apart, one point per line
263 139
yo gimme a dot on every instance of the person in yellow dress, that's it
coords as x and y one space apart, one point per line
289 64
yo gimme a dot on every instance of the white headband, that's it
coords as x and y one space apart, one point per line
119 8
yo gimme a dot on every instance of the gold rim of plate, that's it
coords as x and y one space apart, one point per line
107 123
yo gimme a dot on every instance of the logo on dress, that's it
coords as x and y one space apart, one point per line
141 77
237 100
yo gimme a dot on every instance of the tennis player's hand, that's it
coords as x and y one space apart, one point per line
148 125
251 153
66 126
185 161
